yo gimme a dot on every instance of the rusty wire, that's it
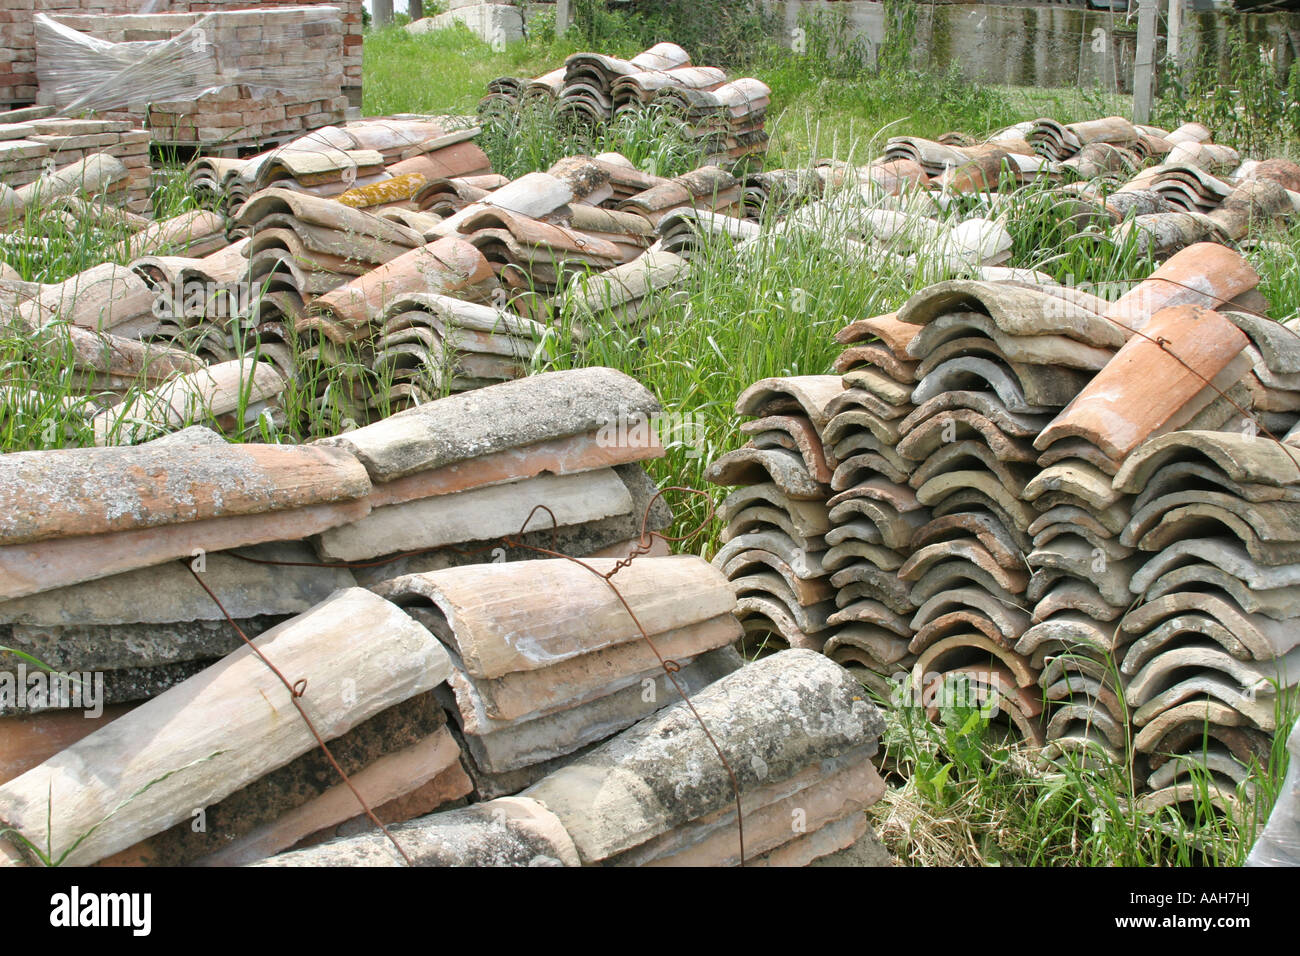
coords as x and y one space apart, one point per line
296 690
645 542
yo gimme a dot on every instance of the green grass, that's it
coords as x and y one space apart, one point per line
963 793
534 135
443 72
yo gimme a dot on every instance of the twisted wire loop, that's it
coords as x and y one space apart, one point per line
296 690
645 543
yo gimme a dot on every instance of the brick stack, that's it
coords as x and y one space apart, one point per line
18 35
350 9
229 119
17 53
53 143
267 75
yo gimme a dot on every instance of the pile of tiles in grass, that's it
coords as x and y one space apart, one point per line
724 118
1080 508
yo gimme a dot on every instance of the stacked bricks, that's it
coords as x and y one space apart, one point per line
299 42
229 118
350 10
17 53
53 143
18 36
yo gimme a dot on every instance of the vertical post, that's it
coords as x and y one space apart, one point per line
563 16
1144 65
383 12
1175 32
415 9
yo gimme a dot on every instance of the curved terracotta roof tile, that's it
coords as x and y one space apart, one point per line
1206 274
87 491
443 266
1151 380
473 424
498 629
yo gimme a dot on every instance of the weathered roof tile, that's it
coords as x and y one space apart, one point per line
88 491
1153 379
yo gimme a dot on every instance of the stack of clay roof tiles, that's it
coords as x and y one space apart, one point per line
866 220
1165 497
874 513
709 187
431 344
821 767
963 168
349 318
624 293
994 363
582 678
1196 191
774 548
237 397
124 591
1045 494
1064 142
196 297
1213 643
727 122
89 324
315 244
588 480
725 118
657 794
632 92
406 153
403 302
448 195
533 256
259 776
582 218
589 79
781 190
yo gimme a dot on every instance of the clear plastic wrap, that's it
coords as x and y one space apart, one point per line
1279 844
291 52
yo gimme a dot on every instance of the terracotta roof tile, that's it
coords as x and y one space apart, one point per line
539 408
486 605
1146 386
73 492
442 266
1205 274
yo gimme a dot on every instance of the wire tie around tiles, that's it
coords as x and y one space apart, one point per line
1163 344
645 541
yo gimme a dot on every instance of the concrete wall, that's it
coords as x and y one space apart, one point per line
1044 45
